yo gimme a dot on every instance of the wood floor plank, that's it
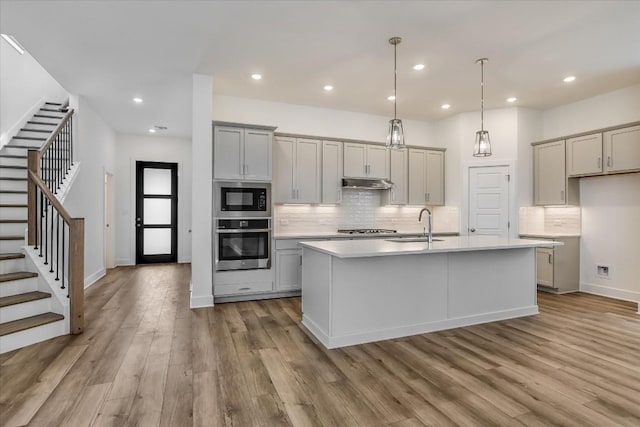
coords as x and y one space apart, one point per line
146 358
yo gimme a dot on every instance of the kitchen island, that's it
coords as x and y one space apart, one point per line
356 291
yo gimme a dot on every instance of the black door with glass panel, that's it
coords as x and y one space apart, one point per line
156 212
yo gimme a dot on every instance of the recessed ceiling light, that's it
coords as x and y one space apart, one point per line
256 76
137 100
569 79
328 88
418 67
391 98
445 106
152 130
13 42
512 99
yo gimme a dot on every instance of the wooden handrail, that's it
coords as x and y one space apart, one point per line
76 239
57 130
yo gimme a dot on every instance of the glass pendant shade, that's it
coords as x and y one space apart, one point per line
395 137
482 148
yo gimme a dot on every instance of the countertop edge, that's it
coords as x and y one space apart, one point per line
356 236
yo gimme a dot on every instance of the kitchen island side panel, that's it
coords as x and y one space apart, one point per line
316 293
387 293
491 281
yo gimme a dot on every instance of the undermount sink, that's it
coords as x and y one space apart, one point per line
412 240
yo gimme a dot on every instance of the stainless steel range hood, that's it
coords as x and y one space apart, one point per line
367 184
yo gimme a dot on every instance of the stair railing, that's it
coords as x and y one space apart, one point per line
56 155
57 237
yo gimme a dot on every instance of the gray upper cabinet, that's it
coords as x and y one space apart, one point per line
242 153
549 183
426 177
622 150
332 166
366 161
584 155
298 168
399 194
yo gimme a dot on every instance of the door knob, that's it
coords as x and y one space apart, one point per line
473 230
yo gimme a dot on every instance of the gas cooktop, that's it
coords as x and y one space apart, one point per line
367 231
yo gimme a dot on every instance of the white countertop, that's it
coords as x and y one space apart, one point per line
383 247
549 235
336 235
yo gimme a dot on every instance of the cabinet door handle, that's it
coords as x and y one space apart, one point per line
599 162
297 193
247 171
293 193
609 162
550 260
428 197
339 195
562 195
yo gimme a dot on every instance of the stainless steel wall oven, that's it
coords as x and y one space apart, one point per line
242 244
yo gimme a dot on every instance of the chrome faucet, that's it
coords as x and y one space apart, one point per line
424 232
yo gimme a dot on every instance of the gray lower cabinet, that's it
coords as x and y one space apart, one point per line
289 264
558 268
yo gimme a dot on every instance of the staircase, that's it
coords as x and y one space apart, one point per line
28 313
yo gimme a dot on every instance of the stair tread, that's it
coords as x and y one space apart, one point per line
17 275
29 322
32 122
13 191
50 109
12 167
11 255
11 237
12 156
10 178
53 103
12 221
35 130
22 298
13 205
30 138
46 116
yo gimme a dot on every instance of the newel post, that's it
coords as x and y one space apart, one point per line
33 164
76 274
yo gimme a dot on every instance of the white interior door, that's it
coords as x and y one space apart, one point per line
489 200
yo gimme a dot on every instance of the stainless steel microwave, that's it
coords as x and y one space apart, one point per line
242 199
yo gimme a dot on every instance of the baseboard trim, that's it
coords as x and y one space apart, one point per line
201 302
123 262
93 278
606 291
363 337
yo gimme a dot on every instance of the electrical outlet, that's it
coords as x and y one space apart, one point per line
284 221
602 271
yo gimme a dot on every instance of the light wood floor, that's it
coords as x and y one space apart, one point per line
146 359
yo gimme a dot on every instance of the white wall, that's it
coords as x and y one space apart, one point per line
610 234
457 134
24 84
94 146
610 204
609 109
129 149
201 217
317 121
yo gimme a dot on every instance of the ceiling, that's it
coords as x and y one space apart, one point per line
111 51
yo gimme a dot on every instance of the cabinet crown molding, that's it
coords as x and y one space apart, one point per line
347 140
574 135
244 125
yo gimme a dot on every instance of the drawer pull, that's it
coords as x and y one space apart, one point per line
246 288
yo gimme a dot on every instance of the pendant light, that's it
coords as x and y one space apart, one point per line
395 137
482 147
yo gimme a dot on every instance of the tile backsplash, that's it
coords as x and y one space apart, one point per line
561 219
361 209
